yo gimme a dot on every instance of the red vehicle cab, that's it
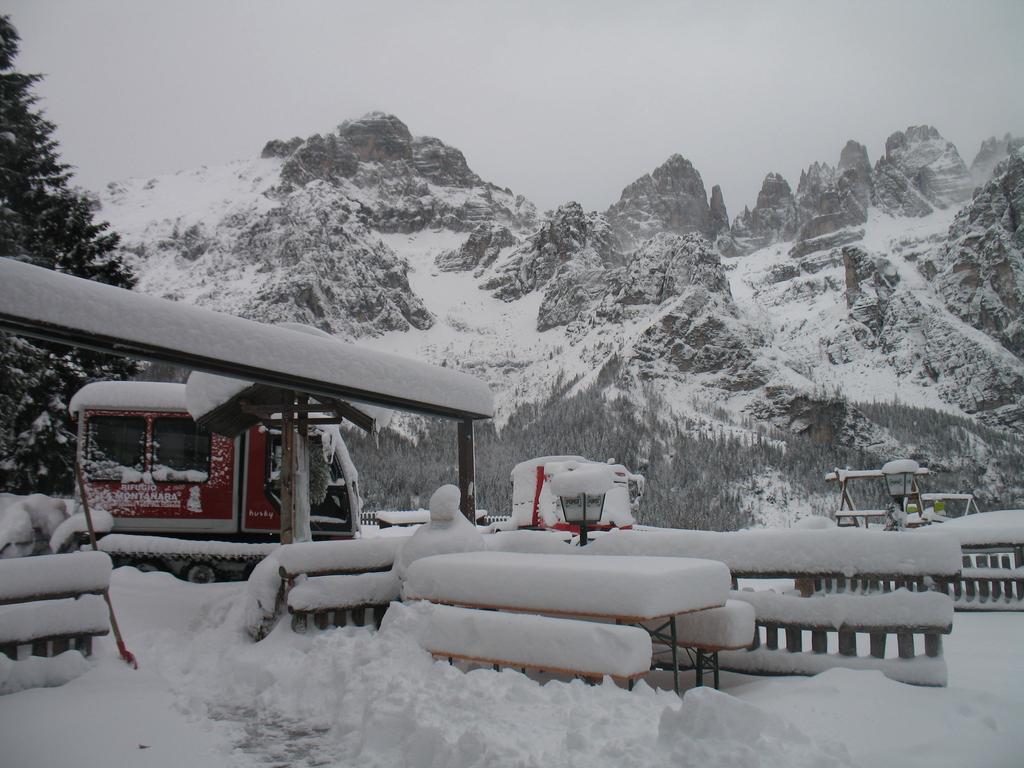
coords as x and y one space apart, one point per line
147 463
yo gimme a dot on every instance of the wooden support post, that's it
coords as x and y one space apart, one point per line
794 639
847 642
878 644
905 644
467 470
300 528
287 473
819 641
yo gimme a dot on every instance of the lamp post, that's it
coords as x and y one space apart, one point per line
581 489
899 481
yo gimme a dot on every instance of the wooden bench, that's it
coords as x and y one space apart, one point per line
849 517
835 621
849 563
340 600
651 593
539 643
705 634
53 603
330 577
992 573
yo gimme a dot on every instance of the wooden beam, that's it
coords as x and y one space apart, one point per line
287 478
357 417
467 470
300 525
264 409
309 420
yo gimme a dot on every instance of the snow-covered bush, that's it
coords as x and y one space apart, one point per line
28 522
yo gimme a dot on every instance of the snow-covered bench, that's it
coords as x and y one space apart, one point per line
650 592
359 599
836 622
540 643
336 583
852 574
705 634
992 572
850 517
52 604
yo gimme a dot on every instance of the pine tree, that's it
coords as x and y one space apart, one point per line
43 220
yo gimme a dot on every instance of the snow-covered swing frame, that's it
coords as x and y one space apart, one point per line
54 307
847 514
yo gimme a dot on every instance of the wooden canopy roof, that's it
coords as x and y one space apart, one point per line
60 308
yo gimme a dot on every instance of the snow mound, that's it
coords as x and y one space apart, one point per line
102 522
447 532
40 672
28 522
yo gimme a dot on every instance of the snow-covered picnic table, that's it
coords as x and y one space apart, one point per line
648 592
630 589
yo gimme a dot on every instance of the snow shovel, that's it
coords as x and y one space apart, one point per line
127 655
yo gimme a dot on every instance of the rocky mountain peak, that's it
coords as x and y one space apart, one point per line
377 136
854 157
666 265
719 215
930 165
980 272
992 151
772 219
671 198
571 241
393 172
830 199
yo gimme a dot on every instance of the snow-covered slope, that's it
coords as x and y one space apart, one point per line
853 286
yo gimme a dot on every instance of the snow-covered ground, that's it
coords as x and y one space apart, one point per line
207 696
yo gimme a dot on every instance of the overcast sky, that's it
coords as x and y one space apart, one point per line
558 101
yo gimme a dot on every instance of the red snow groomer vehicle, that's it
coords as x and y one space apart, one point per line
535 505
201 506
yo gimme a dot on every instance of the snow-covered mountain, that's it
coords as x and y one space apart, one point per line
877 282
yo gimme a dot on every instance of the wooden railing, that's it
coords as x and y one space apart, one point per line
992 573
859 598
883 623
991 580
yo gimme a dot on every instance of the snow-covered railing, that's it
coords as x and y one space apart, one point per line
813 554
853 590
52 604
847 630
992 572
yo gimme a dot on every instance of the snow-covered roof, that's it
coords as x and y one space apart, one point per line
44 304
129 395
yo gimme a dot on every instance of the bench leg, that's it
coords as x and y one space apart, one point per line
700 667
675 656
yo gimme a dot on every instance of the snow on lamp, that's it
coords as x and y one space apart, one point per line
899 477
581 488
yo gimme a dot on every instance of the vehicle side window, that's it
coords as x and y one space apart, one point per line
115 448
181 451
